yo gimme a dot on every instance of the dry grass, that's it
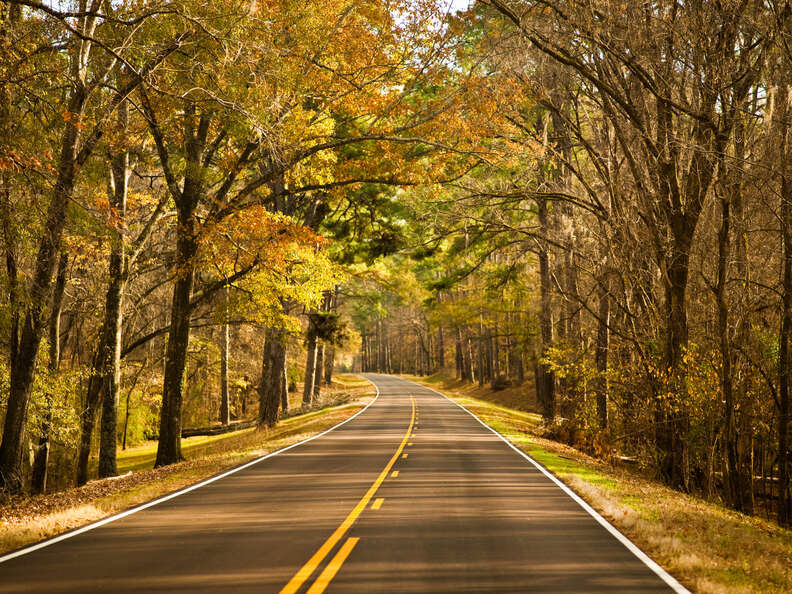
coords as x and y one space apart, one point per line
25 519
708 548
345 389
517 397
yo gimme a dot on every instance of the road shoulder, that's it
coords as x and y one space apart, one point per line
703 545
25 520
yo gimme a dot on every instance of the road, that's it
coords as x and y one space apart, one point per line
412 495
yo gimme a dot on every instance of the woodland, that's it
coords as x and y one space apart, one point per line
205 206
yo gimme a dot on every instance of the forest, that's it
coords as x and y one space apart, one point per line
207 206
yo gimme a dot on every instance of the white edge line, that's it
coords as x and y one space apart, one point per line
169 496
631 546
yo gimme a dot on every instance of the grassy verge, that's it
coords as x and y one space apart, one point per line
25 519
705 546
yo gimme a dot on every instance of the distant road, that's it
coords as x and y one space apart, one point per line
411 495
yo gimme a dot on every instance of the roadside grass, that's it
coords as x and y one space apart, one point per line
347 379
707 547
28 519
142 457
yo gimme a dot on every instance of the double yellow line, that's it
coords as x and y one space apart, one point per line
332 568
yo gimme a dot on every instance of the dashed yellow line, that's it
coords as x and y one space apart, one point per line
377 503
310 566
404 455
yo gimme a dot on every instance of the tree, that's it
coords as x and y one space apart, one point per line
87 65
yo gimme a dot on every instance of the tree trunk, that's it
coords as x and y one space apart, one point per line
284 393
468 358
90 408
111 371
310 366
731 477
108 434
745 437
329 364
496 350
382 364
10 15
574 335
601 357
225 405
320 354
169 444
23 368
545 380
784 511
459 357
39 473
516 353
440 349
673 426
272 388
480 345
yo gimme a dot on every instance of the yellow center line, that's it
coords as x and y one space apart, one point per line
377 503
409 444
332 568
306 570
404 455
394 474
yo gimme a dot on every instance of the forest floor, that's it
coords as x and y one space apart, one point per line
28 519
704 545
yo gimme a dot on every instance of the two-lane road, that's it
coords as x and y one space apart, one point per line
411 495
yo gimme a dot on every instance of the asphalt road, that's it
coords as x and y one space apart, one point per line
412 495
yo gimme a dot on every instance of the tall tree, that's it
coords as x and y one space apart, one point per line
87 67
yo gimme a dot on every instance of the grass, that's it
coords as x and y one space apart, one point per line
707 547
28 519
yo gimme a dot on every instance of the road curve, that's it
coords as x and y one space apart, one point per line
412 495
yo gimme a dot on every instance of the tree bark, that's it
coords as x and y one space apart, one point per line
468 358
169 444
225 404
545 378
284 393
732 482
38 481
320 353
673 419
481 354
310 366
784 363
459 357
784 511
601 357
382 362
743 329
23 368
441 361
10 15
108 435
273 377
329 364
90 408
